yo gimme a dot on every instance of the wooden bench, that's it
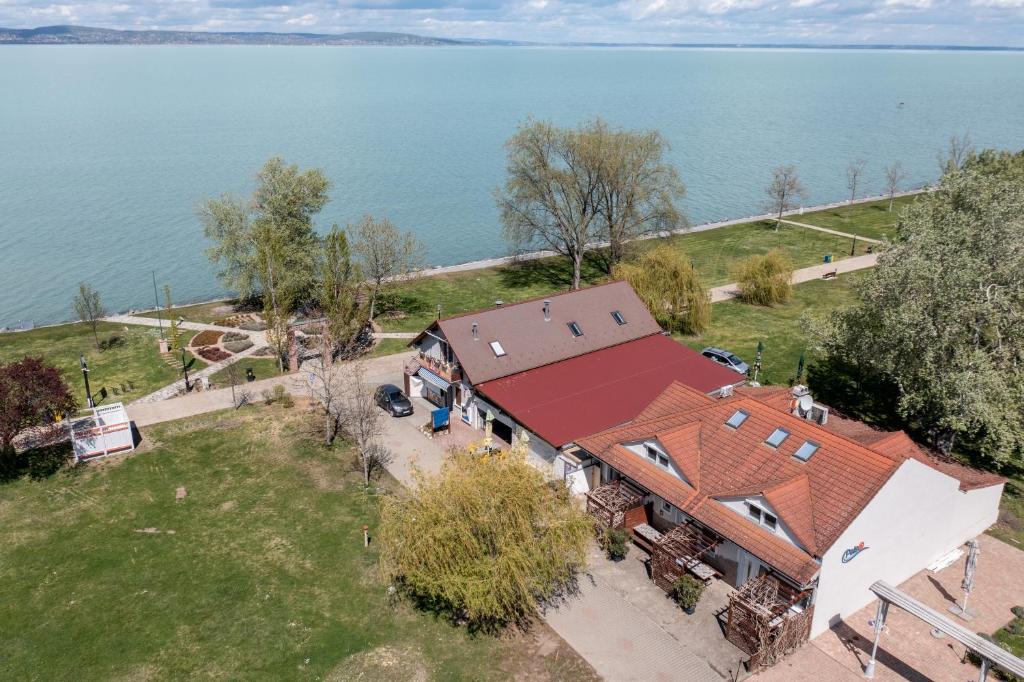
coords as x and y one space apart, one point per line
699 569
830 275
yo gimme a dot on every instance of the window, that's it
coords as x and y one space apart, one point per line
805 451
652 454
769 520
666 507
619 319
778 436
737 418
754 512
498 350
663 461
761 517
575 329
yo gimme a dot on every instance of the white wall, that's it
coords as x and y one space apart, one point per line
917 516
640 450
739 506
431 346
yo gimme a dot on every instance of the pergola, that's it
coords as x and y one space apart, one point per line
760 620
610 502
678 551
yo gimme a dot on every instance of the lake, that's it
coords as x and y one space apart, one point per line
105 152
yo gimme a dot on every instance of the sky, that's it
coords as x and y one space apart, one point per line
903 22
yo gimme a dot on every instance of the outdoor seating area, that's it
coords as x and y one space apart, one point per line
610 503
681 551
767 619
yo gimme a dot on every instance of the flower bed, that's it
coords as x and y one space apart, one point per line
208 337
235 336
213 354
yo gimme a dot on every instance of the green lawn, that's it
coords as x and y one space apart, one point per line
389 347
135 359
263 368
206 313
258 573
739 326
872 219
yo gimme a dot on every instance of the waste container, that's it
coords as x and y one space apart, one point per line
828 257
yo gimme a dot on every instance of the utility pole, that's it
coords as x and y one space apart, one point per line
156 301
85 375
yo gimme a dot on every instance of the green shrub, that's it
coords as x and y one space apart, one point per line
687 591
765 280
237 346
112 341
234 336
616 543
278 394
1018 611
253 326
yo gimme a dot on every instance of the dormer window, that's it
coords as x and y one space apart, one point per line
762 517
652 453
619 319
806 451
575 329
498 350
776 439
737 418
655 456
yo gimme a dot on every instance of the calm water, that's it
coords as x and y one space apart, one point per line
106 151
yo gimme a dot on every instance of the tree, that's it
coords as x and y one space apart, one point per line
339 292
765 280
637 189
487 539
894 177
89 308
854 173
385 253
174 333
955 155
280 211
671 288
356 413
940 318
33 395
327 386
271 262
783 192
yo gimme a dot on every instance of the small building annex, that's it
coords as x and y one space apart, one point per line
557 368
784 496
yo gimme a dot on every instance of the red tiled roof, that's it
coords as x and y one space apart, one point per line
573 398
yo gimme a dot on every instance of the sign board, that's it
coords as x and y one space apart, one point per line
851 554
440 418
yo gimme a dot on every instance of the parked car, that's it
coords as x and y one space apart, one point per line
390 398
724 357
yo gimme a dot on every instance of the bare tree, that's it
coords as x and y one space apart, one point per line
894 177
956 153
358 415
89 308
386 254
326 387
784 191
552 195
854 173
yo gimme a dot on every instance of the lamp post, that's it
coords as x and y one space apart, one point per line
85 375
156 302
184 369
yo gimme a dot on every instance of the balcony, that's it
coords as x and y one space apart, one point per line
449 371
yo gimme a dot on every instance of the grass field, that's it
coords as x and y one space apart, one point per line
206 313
389 347
263 368
136 359
872 220
738 326
259 572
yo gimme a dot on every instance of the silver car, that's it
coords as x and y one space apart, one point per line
727 359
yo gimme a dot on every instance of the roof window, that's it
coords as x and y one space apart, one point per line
737 418
619 319
805 451
498 350
778 436
575 329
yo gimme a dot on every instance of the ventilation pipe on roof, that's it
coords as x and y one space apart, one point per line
547 311
476 336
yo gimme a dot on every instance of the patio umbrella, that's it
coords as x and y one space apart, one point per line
968 582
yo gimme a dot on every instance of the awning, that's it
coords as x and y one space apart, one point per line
433 379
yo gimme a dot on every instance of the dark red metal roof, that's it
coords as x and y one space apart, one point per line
567 400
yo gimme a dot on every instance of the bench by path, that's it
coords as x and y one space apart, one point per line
831 231
729 291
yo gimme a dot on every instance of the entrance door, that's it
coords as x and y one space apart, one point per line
748 566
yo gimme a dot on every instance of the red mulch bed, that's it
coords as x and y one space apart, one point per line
207 337
212 353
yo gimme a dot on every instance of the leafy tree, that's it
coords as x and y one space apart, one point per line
278 216
784 192
488 539
339 290
33 395
89 308
671 288
385 253
941 316
765 280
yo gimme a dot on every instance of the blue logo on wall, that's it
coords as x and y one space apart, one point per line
851 554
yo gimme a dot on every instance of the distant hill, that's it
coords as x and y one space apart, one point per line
87 35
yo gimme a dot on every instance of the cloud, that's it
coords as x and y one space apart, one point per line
979 22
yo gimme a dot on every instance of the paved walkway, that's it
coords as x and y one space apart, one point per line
835 232
868 260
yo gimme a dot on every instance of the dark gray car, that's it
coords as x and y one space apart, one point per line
391 399
726 359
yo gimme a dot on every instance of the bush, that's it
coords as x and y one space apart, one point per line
234 336
687 591
253 326
1018 611
112 341
212 354
208 337
616 543
765 280
238 346
671 289
277 395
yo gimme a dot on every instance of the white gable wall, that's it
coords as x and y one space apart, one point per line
739 505
640 450
916 517
431 347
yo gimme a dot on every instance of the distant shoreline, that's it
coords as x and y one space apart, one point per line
499 261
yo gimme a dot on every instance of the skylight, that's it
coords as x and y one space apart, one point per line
498 350
737 418
778 435
575 329
619 319
805 451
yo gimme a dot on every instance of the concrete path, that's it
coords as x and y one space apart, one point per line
868 260
395 335
835 232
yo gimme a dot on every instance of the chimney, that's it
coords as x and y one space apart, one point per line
547 311
499 303
476 337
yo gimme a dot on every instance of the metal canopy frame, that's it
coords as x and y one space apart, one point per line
990 654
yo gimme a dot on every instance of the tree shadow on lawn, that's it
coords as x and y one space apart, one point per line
36 463
553 273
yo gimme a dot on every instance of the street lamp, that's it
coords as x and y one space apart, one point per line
85 375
